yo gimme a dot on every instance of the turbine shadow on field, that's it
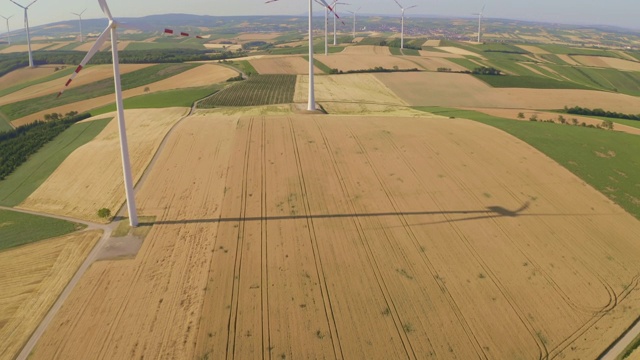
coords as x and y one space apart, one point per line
487 213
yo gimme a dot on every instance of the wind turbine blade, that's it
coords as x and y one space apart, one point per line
324 3
83 11
105 9
94 49
481 11
168 31
33 2
17 4
399 4
270 1
411 7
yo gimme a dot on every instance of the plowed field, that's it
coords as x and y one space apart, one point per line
31 278
358 238
91 177
351 62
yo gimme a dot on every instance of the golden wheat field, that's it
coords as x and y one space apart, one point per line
292 65
96 167
310 236
31 278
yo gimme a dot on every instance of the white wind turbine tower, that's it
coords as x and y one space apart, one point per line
354 21
80 19
26 25
334 5
402 26
480 23
8 30
311 105
124 147
326 25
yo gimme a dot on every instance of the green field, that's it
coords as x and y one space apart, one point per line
578 149
467 64
163 99
5 124
31 174
320 65
244 66
19 229
70 46
569 50
258 90
395 51
103 87
530 82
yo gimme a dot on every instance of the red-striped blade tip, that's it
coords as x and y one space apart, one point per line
199 37
79 68
184 34
59 94
168 31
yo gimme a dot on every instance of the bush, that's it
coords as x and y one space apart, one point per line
104 213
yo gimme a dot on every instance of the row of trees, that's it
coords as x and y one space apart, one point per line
10 62
600 112
483 70
18 144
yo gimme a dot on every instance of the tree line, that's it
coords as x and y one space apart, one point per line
18 144
10 62
600 112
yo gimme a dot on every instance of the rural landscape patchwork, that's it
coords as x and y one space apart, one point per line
406 188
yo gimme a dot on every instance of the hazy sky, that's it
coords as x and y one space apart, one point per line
624 13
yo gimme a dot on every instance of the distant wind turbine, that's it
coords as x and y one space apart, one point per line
334 5
354 21
311 105
480 23
26 25
402 26
124 147
8 30
326 24
80 20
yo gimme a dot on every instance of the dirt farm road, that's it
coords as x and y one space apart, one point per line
107 229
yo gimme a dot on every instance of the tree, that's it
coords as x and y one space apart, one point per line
104 213
533 117
520 115
561 119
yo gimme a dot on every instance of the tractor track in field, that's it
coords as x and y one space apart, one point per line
409 231
375 267
313 238
235 293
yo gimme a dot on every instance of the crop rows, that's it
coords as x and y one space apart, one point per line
258 90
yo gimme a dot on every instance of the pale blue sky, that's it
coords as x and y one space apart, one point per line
624 13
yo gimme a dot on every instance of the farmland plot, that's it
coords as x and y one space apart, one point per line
96 167
289 65
31 278
345 237
460 90
350 62
347 88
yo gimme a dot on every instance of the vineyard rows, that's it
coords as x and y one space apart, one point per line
258 90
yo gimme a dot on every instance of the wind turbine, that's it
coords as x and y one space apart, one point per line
326 26
311 105
124 147
402 30
80 16
480 23
354 21
334 5
8 31
26 25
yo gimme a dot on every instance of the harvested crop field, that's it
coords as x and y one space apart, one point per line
533 49
438 54
459 51
568 59
347 88
31 279
23 48
87 76
435 63
461 90
366 50
96 167
372 239
345 62
608 62
24 75
289 65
